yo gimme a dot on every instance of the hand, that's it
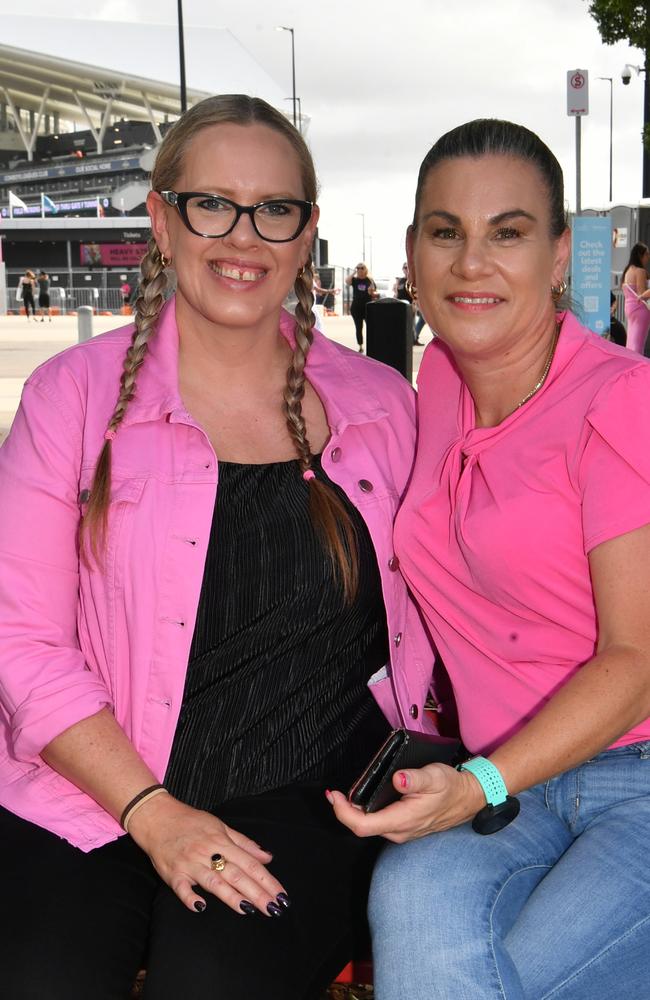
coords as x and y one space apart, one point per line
434 798
180 842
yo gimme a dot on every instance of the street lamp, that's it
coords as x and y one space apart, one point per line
626 76
611 126
181 50
363 235
299 103
281 27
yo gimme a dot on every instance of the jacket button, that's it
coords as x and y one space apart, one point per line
393 564
397 638
335 454
84 496
365 486
413 711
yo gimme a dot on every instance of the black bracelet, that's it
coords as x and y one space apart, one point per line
134 801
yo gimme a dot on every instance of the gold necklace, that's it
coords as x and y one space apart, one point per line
547 367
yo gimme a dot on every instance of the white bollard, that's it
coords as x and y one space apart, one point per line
84 323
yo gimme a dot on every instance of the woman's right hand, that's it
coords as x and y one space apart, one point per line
181 841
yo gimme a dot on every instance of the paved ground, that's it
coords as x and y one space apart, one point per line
24 344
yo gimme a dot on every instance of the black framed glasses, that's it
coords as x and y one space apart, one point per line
278 220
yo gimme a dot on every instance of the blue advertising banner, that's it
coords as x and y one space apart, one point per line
591 266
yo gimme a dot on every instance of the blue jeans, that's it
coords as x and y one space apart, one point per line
555 905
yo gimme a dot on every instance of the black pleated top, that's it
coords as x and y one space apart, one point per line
276 690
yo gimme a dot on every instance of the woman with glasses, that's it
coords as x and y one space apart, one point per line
200 608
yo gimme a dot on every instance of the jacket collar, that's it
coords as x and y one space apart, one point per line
336 374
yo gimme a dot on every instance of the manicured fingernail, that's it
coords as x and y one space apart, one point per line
247 907
274 910
199 906
329 797
404 780
283 900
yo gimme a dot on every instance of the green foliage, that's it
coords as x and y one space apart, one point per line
622 19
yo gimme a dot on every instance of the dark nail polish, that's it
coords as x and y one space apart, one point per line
283 900
199 906
247 908
274 910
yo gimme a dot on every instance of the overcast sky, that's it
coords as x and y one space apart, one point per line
382 80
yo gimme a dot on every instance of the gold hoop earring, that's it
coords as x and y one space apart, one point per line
301 271
165 261
412 290
557 291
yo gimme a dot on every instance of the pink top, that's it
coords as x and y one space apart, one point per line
495 529
75 638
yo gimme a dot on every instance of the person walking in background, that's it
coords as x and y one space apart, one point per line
198 600
402 292
320 294
26 287
635 290
364 291
617 332
44 295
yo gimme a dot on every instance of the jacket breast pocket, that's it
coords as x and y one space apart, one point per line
121 522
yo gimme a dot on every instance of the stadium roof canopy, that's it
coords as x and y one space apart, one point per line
84 91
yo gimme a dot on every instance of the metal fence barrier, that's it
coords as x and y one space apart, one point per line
66 300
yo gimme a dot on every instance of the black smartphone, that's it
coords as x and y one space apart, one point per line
373 789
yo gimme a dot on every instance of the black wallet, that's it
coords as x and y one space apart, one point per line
403 748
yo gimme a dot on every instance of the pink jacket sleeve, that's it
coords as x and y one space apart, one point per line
45 685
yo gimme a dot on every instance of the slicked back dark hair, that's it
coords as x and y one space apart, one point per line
493 137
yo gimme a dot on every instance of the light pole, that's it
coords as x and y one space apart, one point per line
181 50
626 76
363 235
281 27
299 103
611 126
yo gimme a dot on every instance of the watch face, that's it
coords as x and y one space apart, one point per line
491 819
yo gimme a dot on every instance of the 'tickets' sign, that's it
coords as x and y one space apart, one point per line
112 254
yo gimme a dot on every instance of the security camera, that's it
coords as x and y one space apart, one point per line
626 75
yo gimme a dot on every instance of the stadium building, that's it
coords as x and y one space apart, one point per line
78 140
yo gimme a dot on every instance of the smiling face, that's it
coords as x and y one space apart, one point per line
482 256
238 280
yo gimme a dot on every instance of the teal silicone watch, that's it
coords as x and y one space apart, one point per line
501 808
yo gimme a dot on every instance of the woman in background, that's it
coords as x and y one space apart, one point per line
634 282
364 291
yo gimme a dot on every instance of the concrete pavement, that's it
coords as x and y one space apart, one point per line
24 344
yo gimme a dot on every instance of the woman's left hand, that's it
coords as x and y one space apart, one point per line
434 798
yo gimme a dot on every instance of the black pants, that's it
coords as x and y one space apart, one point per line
77 925
28 303
358 313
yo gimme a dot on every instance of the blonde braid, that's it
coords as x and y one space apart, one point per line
148 305
326 510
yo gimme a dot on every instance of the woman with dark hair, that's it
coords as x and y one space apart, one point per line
636 293
525 538
199 604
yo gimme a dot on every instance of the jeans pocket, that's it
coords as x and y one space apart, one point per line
641 750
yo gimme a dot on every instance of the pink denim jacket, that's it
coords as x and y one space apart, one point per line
75 638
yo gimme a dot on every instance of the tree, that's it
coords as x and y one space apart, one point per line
619 19
623 19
